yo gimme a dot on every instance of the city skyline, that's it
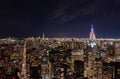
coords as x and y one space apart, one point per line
60 18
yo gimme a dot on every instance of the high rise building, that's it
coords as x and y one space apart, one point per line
92 34
23 73
92 37
43 36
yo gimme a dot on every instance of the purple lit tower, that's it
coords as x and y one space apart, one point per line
92 37
92 34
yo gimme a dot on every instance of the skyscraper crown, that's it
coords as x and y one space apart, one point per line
92 29
92 34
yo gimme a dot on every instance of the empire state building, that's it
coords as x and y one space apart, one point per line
92 34
92 37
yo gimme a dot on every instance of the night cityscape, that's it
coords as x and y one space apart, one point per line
60 39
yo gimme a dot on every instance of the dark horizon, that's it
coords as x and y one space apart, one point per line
59 18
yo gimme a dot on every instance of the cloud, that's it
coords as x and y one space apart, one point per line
71 9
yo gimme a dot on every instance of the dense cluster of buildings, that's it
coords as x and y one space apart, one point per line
60 58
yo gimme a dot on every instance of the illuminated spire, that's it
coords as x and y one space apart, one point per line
92 29
43 36
92 34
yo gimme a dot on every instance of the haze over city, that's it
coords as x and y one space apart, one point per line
59 18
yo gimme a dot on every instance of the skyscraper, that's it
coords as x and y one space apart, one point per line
43 36
92 37
92 34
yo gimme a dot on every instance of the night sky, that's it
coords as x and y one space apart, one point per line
59 18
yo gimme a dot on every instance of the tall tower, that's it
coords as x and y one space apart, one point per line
43 36
92 37
92 34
